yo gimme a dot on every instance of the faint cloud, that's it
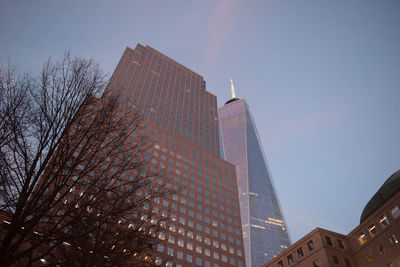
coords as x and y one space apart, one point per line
219 28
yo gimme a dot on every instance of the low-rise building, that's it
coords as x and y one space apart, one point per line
373 243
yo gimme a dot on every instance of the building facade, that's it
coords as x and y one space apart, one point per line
374 243
264 229
180 117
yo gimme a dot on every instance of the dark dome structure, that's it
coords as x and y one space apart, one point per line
387 190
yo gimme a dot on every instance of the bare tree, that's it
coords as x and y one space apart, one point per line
74 178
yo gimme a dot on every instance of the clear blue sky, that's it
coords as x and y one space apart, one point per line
322 79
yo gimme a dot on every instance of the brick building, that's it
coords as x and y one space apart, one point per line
180 117
374 243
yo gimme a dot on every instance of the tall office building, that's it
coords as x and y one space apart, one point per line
264 230
180 117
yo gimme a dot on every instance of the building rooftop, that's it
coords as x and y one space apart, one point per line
231 100
387 190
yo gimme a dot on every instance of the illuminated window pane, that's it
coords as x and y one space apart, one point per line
372 230
362 238
368 256
381 249
383 221
393 240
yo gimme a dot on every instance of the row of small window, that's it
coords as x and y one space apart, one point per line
198 261
300 254
328 240
381 249
199 249
221 199
193 163
193 178
199 227
383 222
198 216
194 156
180 230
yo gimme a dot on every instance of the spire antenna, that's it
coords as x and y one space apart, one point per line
232 89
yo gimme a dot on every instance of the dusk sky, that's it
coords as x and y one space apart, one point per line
322 79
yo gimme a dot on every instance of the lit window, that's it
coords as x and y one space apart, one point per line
190 234
163 224
223 246
181 243
393 240
207 252
207 241
395 212
381 249
224 258
161 235
368 256
216 255
199 238
383 221
171 239
189 246
158 261
181 231
372 230
172 228
198 249
215 244
362 238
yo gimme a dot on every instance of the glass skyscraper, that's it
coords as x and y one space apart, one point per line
264 230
